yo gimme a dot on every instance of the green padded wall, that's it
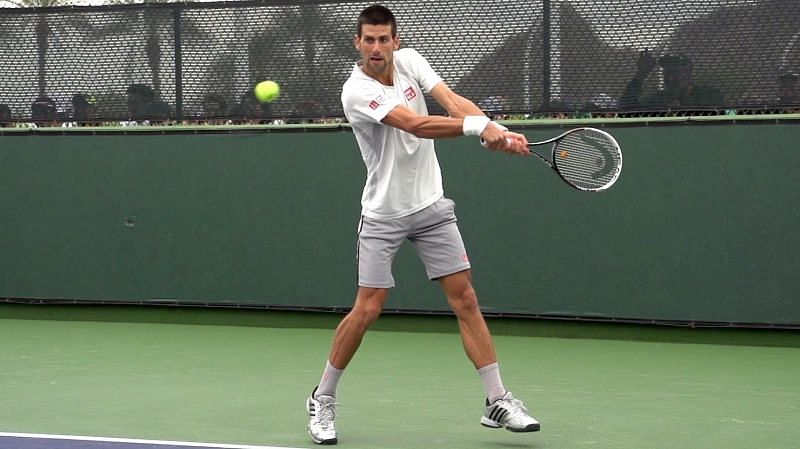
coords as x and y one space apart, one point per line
702 225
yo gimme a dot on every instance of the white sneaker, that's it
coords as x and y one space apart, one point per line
509 413
321 417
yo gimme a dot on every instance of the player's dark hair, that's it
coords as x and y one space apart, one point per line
377 15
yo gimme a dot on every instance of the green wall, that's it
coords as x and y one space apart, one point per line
702 225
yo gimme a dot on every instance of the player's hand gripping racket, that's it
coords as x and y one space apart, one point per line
587 159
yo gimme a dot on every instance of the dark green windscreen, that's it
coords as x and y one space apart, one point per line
702 225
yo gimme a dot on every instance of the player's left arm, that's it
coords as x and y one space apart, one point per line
455 105
496 137
434 126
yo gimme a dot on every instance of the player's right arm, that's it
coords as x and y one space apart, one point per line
434 126
423 126
363 103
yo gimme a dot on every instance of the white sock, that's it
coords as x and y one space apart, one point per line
330 379
490 376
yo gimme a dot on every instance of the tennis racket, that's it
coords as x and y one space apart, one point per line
587 159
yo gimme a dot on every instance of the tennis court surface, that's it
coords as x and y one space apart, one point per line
34 441
144 384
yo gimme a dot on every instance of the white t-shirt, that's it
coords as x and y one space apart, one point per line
403 174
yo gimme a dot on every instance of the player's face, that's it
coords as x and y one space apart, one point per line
376 46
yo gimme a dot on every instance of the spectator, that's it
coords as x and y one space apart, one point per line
600 106
43 111
144 106
556 109
5 116
83 109
307 111
787 89
495 107
214 109
679 91
140 97
250 110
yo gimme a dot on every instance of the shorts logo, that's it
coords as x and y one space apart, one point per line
464 258
410 93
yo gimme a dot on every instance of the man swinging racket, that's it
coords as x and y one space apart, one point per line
403 199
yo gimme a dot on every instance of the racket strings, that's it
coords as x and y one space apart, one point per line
589 160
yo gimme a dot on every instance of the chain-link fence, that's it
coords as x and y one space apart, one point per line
199 61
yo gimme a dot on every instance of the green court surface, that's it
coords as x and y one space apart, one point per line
410 386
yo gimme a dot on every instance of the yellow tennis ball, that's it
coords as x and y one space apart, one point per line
267 91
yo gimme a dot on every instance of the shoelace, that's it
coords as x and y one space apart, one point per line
515 406
326 414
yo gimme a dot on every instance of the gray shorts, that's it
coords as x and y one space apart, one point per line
433 232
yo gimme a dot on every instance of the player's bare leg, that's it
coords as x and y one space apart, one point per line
368 306
321 405
475 334
501 409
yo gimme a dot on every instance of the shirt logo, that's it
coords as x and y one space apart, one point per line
374 104
410 93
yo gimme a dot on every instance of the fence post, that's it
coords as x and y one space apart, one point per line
176 18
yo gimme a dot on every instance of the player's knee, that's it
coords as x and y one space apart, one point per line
464 301
369 306
369 313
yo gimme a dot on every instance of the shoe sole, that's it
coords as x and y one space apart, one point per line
330 442
486 422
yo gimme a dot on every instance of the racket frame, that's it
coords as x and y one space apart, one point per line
553 162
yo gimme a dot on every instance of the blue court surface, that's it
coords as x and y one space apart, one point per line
36 441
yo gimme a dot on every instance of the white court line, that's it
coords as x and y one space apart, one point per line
136 441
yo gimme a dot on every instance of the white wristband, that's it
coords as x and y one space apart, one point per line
475 124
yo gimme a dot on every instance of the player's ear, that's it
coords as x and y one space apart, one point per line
396 42
356 42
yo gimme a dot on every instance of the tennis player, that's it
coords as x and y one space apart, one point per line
403 199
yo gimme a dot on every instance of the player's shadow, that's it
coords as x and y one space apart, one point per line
510 444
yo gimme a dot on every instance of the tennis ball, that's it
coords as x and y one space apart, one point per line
267 91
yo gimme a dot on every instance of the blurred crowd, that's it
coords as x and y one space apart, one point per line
144 107
675 94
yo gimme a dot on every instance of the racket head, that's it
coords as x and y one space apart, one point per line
588 159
